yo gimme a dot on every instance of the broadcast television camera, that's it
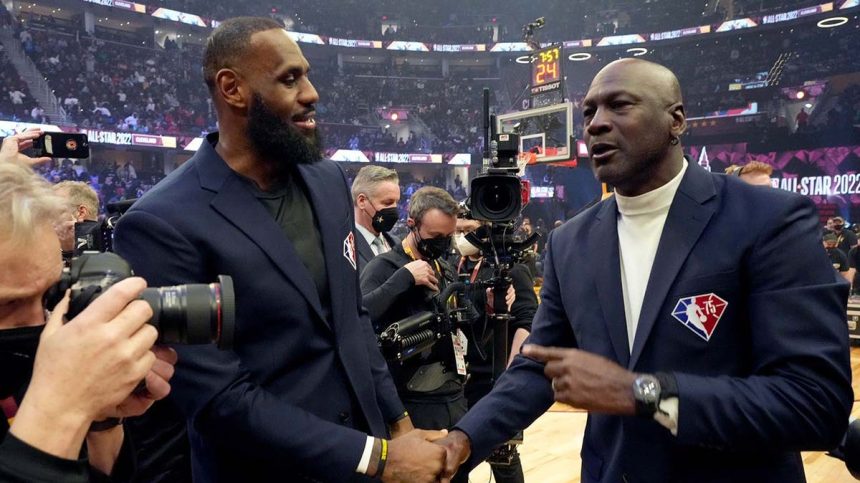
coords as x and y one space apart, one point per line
183 314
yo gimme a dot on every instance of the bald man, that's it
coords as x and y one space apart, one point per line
728 391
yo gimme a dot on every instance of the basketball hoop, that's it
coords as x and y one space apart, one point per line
524 159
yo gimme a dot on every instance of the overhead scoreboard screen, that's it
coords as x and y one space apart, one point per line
546 70
547 81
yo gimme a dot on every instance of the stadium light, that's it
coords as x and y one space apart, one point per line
829 23
637 51
579 56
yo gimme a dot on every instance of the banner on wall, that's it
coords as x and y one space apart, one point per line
830 177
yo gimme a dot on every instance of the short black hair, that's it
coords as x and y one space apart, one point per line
229 43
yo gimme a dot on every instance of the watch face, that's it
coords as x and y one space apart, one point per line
647 389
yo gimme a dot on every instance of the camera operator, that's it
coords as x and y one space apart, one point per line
83 208
375 188
522 304
65 383
404 282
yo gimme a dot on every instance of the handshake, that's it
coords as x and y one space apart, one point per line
425 456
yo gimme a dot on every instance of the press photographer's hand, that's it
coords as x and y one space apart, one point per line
92 363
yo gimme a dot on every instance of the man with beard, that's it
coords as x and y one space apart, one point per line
305 393
693 315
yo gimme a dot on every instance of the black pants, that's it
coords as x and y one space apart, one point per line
437 412
478 386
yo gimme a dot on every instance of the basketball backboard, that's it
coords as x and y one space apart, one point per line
544 131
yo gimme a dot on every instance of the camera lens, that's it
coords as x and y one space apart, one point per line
194 313
496 198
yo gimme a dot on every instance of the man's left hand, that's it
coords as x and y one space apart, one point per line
585 380
157 384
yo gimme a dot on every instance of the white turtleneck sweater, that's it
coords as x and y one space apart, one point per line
640 226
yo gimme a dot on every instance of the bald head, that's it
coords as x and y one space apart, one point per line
634 118
661 81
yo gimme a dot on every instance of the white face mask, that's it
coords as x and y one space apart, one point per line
464 247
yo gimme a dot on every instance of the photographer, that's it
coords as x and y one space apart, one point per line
521 303
404 282
65 383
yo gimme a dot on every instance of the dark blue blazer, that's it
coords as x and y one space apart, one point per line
304 382
773 379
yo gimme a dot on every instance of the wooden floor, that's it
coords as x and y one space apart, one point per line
550 453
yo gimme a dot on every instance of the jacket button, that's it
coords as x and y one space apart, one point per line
344 416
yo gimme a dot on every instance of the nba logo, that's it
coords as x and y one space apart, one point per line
700 313
349 249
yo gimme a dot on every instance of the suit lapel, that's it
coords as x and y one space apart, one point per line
361 246
235 202
606 271
688 216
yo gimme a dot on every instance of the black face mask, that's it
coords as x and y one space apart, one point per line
17 353
433 248
385 219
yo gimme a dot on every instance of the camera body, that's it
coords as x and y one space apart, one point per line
183 314
413 335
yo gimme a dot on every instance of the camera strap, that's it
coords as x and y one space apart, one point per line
475 270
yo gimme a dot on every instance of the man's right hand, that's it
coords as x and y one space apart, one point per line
86 368
414 458
457 448
423 274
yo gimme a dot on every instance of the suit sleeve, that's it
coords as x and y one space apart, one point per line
523 392
799 394
380 287
212 388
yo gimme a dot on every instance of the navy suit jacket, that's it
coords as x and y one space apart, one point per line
774 378
365 252
303 382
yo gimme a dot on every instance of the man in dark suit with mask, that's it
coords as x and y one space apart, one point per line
375 194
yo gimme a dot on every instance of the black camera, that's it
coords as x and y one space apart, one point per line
497 195
183 314
413 335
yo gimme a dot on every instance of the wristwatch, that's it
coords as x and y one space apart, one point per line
646 393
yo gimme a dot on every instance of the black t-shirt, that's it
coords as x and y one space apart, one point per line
290 207
838 259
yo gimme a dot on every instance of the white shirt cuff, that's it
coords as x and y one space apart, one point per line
364 462
667 414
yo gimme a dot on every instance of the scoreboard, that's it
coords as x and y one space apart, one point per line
546 68
547 79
